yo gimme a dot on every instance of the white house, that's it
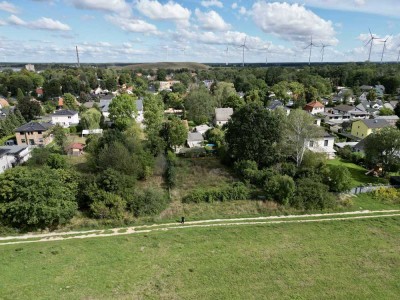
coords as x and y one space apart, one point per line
194 139
11 156
140 111
223 115
65 118
323 145
314 107
202 128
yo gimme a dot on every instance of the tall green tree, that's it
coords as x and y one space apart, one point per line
29 109
253 133
123 111
383 147
200 105
90 119
70 101
174 133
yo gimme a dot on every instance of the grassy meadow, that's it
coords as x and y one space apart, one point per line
352 259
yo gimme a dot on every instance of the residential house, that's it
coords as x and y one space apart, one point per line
195 139
104 104
167 85
202 128
33 133
277 104
140 111
362 128
3 103
11 156
223 115
30 67
89 104
75 149
39 92
208 83
380 90
347 112
323 145
65 118
314 107
390 119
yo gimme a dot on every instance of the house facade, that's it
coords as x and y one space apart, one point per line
11 156
314 107
34 134
65 118
140 111
323 145
363 128
223 115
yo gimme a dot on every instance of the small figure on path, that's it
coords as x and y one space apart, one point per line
183 220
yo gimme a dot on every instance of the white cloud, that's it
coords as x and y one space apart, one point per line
8 7
208 3
49 24
14 20
211 20
116 6
170 11
132 25
242 10
359 2
42 23
234 5
292 22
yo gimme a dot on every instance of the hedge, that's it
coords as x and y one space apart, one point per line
238 191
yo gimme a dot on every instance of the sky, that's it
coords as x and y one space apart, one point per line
131 31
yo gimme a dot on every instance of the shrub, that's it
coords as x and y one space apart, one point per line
388 195
238 191
56 161
345 152
280 188
106 205
338 178
312 195
148 202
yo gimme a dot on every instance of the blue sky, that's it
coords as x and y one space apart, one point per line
201 31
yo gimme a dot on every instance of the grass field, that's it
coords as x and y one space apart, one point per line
357 173
352 259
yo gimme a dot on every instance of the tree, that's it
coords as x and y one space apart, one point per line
70 101
150 201
174 133
311 194
371 96
153 120
106 205
253 133
383 148
60 137
280 188
298 132
200 105
56 161
90 119
52 88
20 95
338 178
233 101
281 90
161 74
385 111
29 109
36 198
122 111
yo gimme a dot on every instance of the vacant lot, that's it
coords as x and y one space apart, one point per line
339 259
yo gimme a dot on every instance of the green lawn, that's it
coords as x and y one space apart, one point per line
357 173
353 259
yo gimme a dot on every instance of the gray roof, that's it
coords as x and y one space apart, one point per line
344 107
223 114
34 126
104 104
275 104
89 104
107 97
394 117
195 137
64 112
14 150
139 104
375 123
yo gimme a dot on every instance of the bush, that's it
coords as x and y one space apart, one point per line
106 205
148 202
249 171
388 195
345 152
311 195
280 188
238 191
338 178
56 161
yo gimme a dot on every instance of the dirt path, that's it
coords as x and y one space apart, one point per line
57 236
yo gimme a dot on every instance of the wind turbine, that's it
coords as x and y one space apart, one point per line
384 47
243 46
398 56
266 53
323 46
371 42
310 45
184 50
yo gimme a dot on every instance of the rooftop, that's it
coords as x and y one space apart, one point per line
33 126
375 123
314 104
64 112
223 114
195 137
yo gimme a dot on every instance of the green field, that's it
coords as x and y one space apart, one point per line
352 259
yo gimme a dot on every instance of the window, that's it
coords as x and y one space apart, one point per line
31 142
21 133
69 117
326 143
23 141
39 132
311 144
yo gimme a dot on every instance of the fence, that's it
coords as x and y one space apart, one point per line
367 189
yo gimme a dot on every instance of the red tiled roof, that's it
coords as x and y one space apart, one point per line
79 146
60 101
314 104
